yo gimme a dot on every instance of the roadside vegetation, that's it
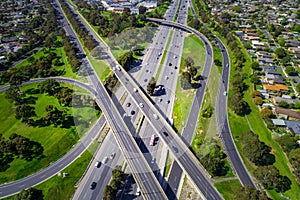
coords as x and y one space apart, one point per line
243 113
60 114
191 65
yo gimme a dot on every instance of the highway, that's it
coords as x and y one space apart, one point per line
182 154
222 117
142 73
141 171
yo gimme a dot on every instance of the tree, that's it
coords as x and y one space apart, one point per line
185 80
192 71
126 60
255 65
294 157
258 100
109 193
271 179
25 112
30 194
255 78
250 193
256 93
283 104
142 10
281 41
287 142
151 86
207 112
15 95
218 62
188 62
298 87
280 52
266 113
49 86
214 162
290 71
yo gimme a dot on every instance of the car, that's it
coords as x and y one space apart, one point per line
138 192
132 112
147 70
118 68
114 68
93 185
155 116
175 67
135 90
160 100
141 105
97 164
168 101
175 57
225 93
105 159
153 161
166 77
175 149
166 134
227 65
152 140
112 156
170 64
128 104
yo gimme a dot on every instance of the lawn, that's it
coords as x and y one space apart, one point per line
228 188
194 48
56 141
61 188
101 68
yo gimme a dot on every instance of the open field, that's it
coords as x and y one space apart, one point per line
228 188
194 48
56 141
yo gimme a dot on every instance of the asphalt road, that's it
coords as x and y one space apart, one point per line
222 118
142 73
46 173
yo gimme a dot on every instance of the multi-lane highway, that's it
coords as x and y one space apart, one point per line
178 148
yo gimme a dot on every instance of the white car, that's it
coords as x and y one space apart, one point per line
105 159
135 90
155 116
225 93
141 105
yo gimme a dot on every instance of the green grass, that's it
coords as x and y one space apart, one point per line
239 125
101 68
164 55
194 48
60 188
228 188
168 165
56 141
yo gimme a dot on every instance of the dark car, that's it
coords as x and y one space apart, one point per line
175 149
93 185
132 112
165 133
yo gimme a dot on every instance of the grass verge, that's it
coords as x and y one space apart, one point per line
228 188
56 141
